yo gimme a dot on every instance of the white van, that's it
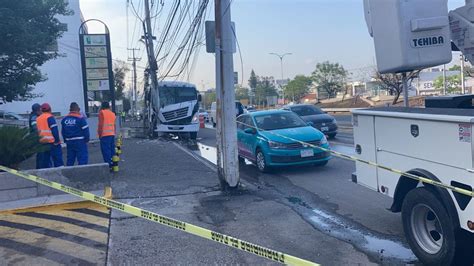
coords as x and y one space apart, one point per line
239 109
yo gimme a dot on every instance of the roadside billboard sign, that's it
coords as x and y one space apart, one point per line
96 59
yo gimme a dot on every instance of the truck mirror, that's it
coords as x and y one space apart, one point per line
199 98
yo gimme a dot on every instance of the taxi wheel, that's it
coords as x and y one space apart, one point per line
261 162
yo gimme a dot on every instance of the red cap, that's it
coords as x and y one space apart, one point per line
45 107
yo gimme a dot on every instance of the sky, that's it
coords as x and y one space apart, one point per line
312 30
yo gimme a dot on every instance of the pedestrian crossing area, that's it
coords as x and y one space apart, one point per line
72 234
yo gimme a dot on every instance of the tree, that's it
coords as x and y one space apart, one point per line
393 83
120 70
253 80
265 88
468 70
17 144
127 105
298 87
241 93
29 30
455 68
209 98
253 85
329 77
453 83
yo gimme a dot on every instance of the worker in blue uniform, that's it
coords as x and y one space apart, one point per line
49 137
75 131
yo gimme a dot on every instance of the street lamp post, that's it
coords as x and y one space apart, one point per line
281 56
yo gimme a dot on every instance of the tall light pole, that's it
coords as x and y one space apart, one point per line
281 56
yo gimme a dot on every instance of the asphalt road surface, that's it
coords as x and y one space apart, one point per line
340 208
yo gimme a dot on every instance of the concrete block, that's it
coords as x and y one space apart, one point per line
18 193
93 177
9 181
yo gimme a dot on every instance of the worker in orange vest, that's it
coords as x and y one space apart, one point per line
106 132
49 137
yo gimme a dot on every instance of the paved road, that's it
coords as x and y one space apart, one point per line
339 208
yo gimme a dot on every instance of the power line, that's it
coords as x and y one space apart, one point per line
137 18
77 50
192 34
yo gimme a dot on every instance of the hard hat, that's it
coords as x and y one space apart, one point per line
45 107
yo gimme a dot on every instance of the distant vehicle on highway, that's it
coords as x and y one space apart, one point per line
310 113
239 109
262 139
250 109
204 114
10 118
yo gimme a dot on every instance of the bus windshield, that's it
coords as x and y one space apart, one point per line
174 95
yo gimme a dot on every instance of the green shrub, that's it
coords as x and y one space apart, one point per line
16 145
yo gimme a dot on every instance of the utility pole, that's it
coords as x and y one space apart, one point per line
405 89
227 162
148 37
134 60
281 56
444 79
463 83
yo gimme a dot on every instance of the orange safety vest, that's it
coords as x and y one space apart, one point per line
107 124
44 131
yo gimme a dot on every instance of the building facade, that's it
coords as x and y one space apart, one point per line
64 75
424 84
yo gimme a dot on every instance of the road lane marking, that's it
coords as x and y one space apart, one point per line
64 217
55 239
17 252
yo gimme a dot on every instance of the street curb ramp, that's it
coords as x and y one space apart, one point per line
93 177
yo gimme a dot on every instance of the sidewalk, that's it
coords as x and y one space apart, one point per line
95 156
157 176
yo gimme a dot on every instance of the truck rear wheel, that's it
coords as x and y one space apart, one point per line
428 228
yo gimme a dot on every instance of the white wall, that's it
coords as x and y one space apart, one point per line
64 83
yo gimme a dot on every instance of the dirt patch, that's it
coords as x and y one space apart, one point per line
349 103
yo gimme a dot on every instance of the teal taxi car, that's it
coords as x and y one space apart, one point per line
279 138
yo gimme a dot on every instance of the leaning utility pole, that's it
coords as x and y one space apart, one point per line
227 161
134 60
463 81
148 30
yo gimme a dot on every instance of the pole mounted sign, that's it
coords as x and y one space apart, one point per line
96 59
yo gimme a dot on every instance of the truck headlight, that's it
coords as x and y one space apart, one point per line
195 118
276 145
324 140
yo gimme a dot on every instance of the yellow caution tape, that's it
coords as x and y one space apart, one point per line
355 159
230 241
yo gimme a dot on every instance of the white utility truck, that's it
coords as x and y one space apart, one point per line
178 110
429 142
432 143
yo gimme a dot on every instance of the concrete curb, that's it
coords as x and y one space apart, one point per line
43 201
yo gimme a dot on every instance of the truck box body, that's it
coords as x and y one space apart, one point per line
436 140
